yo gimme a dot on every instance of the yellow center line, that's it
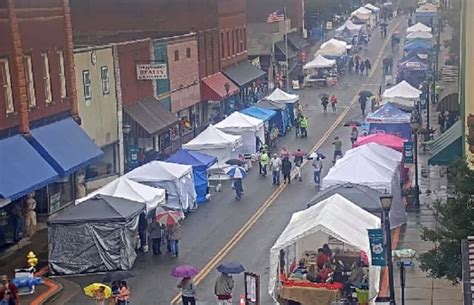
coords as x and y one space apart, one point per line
212 264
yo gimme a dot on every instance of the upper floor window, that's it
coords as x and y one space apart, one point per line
241 40
233 41
86 83
188 52
228 44
62 74
30 85
6 85
104 77
176 55
245 39
47 78
222 45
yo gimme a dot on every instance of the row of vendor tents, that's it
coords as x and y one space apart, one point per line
99 233
347 206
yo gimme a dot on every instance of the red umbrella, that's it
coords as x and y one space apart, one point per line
168 217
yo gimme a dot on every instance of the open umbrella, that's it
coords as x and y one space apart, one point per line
92 288
316 154
352 124
184 271
231 268
235 162
366 93
117 276
168 217
236 172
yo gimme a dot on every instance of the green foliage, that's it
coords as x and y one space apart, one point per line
455 222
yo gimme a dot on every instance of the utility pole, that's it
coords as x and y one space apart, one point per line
287 76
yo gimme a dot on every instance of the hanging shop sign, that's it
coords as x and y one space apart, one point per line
152 71
377 249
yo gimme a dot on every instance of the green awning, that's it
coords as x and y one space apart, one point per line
448 147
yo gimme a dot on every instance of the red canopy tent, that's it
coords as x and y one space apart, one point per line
384 139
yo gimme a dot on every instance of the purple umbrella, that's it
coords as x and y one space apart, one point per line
184 271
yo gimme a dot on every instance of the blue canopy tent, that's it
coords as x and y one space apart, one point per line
418 43
282 118
390 119
260 113
413 71
200 163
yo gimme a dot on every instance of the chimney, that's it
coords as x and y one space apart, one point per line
18 69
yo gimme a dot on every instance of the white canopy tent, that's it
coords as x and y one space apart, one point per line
246 126
402 93
419 35
351 26
374 9
281 96
419 27
320 62
334 217
125 188
332 47
378 153
176 179
364 14
216 143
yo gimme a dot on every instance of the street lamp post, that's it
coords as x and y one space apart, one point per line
226 100
386 202
415 125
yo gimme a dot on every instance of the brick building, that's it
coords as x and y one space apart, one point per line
42 147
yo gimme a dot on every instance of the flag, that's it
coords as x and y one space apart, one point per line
276 16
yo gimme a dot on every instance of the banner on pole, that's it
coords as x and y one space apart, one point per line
377 249
408 152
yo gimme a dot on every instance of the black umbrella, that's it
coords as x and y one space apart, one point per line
235 162
231 268
119 275
352 124
366 93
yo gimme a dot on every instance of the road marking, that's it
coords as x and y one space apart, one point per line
212 264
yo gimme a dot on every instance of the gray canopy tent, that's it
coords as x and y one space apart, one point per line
365 197
99 234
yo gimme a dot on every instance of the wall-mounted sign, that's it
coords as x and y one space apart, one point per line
152 71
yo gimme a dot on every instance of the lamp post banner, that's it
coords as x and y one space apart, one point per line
377 249
408 152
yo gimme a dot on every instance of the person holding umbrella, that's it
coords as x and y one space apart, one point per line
174 237
156 233
225 283
237 173
188 289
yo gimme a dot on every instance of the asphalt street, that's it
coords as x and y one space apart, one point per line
210 228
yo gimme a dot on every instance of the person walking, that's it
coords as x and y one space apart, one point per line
361 68
304 126
238 188
363 102
298 162
123 297
368 66
357 62
188 291
156 233
275 166
223 289
324 103
333 103
286 170
354 135
317 167
174 236
351 65
337 149
264 160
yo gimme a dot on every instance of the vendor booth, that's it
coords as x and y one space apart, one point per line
365 15
282 118
412 44
384 139
351 32
403 94
419 27
332 49
375 11
289 99
390 119
176 179
414 71
216 143
335 222
200 163
246 126
97 235
125 188
427 14
419 35
269 117
320 71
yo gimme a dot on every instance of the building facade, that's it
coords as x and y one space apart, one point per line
97 101
232 24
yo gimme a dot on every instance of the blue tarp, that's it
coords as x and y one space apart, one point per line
200 163
65 146
281 120
414 44
259 113
390 119
23 170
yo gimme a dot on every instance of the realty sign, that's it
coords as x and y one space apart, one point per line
377 249
152 71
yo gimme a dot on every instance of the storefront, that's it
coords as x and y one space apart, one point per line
104 169
191 121
250 81
221 94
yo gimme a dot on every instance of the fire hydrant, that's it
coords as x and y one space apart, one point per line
32 259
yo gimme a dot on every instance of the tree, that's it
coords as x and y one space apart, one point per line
455 222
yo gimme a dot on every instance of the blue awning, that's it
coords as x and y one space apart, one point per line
65 146
23 170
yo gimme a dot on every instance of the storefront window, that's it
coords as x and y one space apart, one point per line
165 141
105 166
61 193
197 114
185 116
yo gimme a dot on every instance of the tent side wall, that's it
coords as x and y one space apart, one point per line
402 130
92 247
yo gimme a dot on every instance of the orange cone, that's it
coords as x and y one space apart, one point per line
242 300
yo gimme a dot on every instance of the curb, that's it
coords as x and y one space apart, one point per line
53 288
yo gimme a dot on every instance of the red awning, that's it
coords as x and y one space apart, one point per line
213 87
